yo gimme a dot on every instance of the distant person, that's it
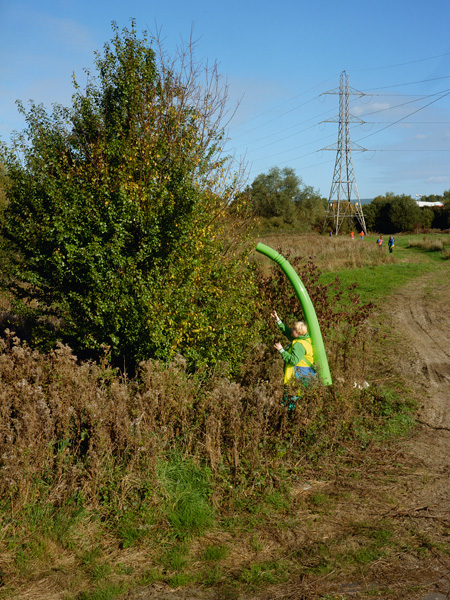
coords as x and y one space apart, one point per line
297 357
361 235
391 243
352 235
331 234
380 241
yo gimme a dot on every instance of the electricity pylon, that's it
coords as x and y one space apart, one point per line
344 201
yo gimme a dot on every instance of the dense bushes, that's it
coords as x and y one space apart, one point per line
81 432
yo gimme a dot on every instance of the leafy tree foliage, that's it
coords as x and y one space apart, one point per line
437 197
395 213
3 179
311 209
403 214
120 208
426 217
273 194
441 219
441 214
281 196
392 214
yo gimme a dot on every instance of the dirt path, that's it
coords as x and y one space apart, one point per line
420 313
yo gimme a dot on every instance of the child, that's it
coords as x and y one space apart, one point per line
297 357
391 243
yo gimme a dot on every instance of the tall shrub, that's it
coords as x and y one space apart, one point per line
120 208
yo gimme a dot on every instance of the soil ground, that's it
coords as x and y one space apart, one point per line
408 484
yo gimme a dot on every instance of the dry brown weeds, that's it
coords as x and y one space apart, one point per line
73 424
330 254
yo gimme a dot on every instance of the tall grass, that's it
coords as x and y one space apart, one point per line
330 253
440 245
339 253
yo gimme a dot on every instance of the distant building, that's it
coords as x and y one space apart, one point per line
423 204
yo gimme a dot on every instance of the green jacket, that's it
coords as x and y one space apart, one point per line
293 354
299 353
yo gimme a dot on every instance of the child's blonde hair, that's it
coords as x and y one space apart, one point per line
301 327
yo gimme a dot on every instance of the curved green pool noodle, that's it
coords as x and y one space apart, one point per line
320 356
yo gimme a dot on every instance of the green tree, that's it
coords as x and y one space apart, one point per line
376 213
3 180
441 214
274 193
426 217
281 196
311 208
392 214
120 208
404 214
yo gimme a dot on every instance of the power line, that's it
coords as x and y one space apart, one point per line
295 148
409 83
355 70
412 122
320 84
417 98
411 62
284 138
284 103
412 150
287 128
303 167
421 97
274 119
405 117
320 139
406 103
388 124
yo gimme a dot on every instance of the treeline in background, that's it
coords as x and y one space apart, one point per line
281 200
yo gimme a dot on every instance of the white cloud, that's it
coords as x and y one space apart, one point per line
438 179
370 108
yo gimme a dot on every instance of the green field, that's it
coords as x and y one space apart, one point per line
377 281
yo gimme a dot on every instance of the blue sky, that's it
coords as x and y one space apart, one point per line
278 59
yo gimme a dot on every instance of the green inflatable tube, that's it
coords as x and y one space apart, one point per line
320 356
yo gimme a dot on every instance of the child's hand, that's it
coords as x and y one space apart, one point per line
274 315
278 346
